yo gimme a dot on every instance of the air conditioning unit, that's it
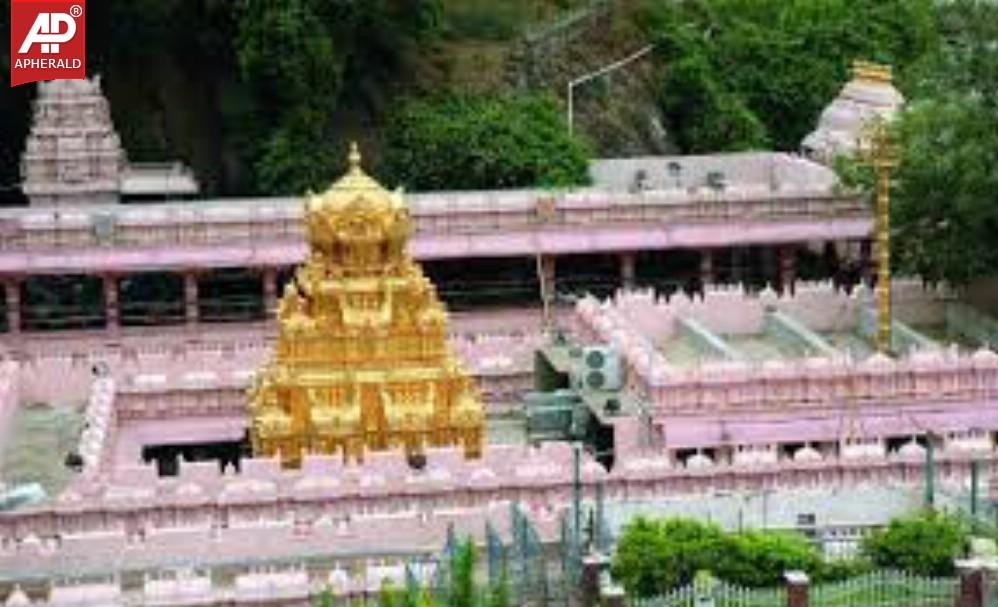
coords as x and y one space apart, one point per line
599 369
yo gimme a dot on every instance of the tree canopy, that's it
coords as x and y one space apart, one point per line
478 142
295 56
739 74
945 192
944 210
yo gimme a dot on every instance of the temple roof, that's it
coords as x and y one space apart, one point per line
869 94
356 185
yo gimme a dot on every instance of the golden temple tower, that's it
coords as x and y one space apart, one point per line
362 360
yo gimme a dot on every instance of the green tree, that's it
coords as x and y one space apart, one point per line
653 557
764 70
943 212
925 544
325 598
944 209
295 57
479 142
499 595
461 591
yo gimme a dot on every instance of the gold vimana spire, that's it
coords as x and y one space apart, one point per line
361 361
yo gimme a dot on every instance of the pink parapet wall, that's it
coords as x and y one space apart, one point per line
496 347
638 323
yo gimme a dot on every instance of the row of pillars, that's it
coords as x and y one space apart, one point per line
12 291
786 267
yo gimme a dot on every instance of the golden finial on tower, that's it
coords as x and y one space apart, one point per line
354 158
872 72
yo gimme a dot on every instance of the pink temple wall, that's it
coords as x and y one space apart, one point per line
731 310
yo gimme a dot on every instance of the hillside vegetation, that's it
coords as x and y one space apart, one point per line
262 97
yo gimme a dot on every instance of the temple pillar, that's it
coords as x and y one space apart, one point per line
12 291
191 296
628 269
112 316
548 268
706 267
270 292
788 268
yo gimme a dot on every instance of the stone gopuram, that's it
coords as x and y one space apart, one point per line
74 157
362 361
73 154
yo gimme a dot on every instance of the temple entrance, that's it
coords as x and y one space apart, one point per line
167 457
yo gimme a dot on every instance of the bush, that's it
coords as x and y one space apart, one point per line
760 558
654 557
925 544
482 142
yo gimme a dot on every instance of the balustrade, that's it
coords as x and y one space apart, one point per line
255 221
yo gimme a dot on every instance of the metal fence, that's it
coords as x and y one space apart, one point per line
717 594
886 589
876 589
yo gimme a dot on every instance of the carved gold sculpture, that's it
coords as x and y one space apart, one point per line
361 359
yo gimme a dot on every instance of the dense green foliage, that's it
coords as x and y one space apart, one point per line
945 206
740 74
944 210
294 56
925 544
479 142
654 556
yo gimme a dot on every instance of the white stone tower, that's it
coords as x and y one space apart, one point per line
73 154
870 93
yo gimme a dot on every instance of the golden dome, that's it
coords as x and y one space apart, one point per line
355 214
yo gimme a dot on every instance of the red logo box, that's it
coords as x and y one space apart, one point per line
47 40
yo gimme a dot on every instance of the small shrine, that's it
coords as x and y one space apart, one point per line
362 361
869 94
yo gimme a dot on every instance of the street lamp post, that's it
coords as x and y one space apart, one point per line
596 74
